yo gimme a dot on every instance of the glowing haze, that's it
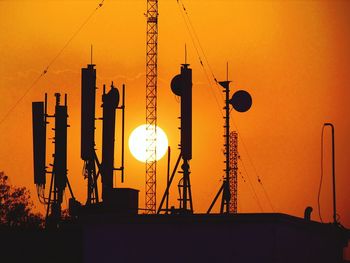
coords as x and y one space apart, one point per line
292 56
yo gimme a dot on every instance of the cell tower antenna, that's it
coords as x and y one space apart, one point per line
241 101
181 85
151 104
225 188
59 180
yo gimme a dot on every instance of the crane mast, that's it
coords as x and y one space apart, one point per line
151 104
233 175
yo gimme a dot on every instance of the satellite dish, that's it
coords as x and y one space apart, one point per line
241 101
176 85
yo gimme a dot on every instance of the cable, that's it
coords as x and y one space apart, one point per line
189 31
255 170
199 43
321 178
180 2
216 82
251 186
266 195
242 177
198 53
22 97
75 34
50 63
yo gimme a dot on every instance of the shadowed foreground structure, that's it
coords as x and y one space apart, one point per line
181 238
113 231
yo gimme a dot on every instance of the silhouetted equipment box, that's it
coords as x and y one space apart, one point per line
122 200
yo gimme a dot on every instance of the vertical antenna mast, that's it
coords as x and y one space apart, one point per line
151 104
91 54
225 203
225 188
241 101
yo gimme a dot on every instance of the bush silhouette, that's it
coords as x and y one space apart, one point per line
16 206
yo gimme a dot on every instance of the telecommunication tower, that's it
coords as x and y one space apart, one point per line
181 85
93 168
88 154
151 104
241 101
59 180
225 187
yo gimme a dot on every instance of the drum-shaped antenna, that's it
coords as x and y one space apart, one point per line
241 101
177 85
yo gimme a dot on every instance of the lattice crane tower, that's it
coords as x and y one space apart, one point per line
151 104
233 180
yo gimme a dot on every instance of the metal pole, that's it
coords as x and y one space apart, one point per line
168 186
70 189
185 169
227 91
123 132
215 198
49 201
167 181
45 110
333 174
225 201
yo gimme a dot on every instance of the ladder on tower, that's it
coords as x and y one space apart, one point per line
233 174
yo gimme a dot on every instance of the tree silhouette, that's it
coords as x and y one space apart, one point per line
16 206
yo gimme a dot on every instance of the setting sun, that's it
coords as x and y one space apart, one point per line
137 143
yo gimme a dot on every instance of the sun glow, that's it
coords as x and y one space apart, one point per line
137 143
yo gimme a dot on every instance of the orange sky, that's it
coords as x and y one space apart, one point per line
292 56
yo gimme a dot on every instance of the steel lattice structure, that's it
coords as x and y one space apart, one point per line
233 179
151 104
